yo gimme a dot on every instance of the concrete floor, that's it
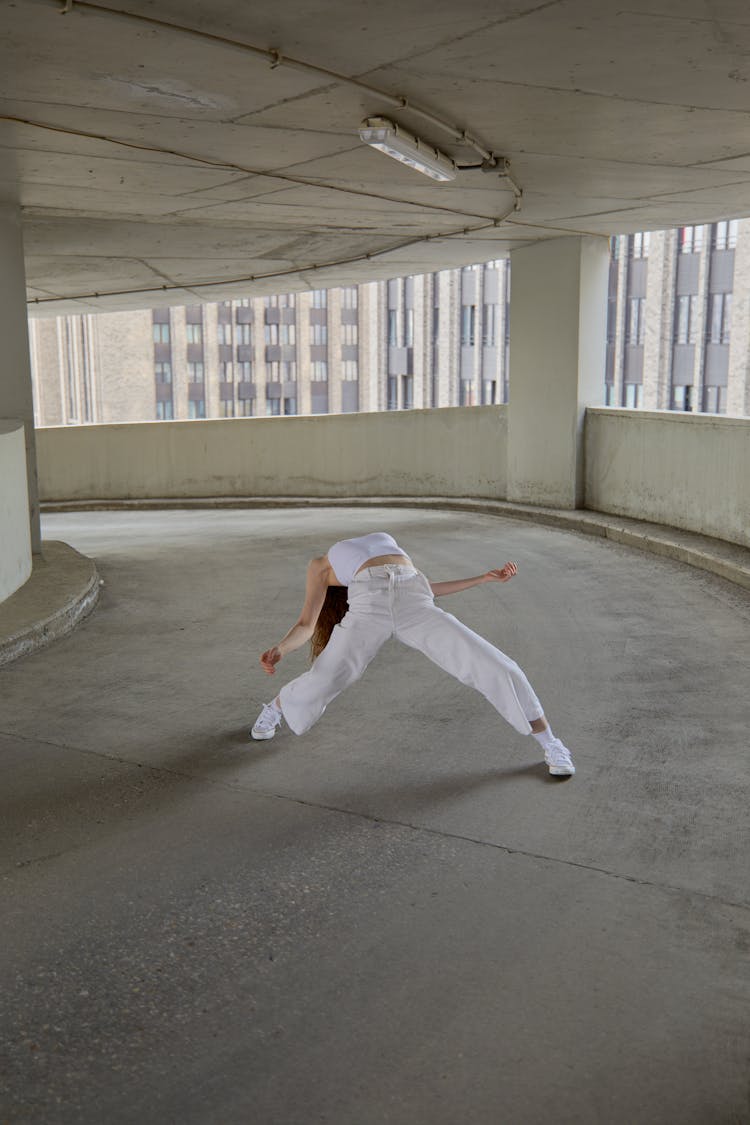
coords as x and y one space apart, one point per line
399 917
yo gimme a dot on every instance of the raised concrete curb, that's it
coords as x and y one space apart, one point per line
717 556
62 590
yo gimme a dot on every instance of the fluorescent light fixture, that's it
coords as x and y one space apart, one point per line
395 141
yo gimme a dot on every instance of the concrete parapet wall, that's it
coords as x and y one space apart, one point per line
456 452
690 471
15 534
685 470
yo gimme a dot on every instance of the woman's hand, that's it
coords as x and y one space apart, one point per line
502 575
270 659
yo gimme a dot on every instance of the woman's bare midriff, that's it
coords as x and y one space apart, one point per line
383 560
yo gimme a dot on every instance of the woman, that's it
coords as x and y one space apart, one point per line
388 597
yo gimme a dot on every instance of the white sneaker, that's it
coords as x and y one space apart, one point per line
558 759
266 723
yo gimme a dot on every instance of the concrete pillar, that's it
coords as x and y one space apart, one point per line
558 332
16 397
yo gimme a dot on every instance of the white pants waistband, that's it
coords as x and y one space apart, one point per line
386 570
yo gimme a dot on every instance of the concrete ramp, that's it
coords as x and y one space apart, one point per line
398 917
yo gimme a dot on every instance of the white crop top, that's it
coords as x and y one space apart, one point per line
348 555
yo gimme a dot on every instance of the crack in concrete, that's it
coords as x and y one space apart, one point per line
681 19
577 91
451 40
369 817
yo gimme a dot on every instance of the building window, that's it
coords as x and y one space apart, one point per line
290 405
194 333
164 411
245 372
631 395
691 240
319 370
489 326
273 407
226 408
392 393
244 302
686 320
468 325
350 335
489 392
609 395
409 328
163 372
225 372
392 328
195 372
349 297
161 333
245 408
407 391
319 334
715 400
638 244
682 398
349 369
719 317
273 371
197 408
224 333
244 334
288 370
466 392
724 235
611 319
271 302
635 332
272 334
319 298
288 335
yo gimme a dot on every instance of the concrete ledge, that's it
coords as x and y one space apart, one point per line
62 590
727 560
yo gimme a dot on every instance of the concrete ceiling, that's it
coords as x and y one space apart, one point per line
152 164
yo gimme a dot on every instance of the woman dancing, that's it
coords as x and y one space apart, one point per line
388 597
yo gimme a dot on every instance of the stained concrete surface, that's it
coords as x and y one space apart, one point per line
399 917
62 589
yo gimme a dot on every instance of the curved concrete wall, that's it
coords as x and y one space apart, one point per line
687 470
456 452
15 540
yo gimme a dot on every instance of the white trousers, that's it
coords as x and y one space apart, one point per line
396 601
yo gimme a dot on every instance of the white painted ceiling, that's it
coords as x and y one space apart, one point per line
154 166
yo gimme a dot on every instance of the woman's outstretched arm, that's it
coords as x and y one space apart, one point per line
504 574
318 574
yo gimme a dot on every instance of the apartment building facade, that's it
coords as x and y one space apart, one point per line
678 325
678 337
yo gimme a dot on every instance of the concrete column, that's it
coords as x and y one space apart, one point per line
558 333
16 397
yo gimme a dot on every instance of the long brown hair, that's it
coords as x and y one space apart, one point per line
333 610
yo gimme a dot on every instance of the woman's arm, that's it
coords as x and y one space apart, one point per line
318 574
440 589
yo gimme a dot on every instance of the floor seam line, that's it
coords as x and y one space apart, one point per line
381 820
504 848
